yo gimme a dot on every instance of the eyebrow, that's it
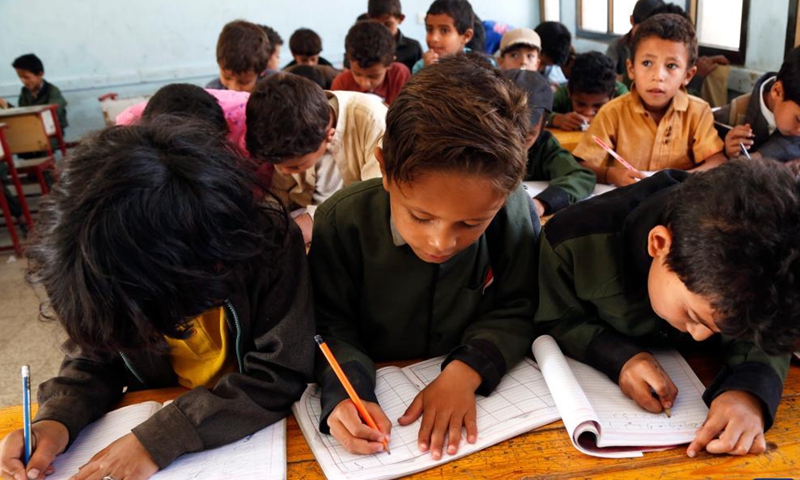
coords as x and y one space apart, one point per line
426 214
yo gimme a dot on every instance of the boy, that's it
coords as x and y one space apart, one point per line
772 120
453 230
448 27
275 44
591 85
319 141
370 49
569 182
620 50
519 48
657 125
709 253
390 14
36 90
243 52
556 43
305 46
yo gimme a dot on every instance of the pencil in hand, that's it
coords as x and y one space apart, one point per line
614 154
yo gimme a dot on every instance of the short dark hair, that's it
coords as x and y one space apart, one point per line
287 117
273 36
379 8
478 40
667 26
556 41
149 226
643 9
457 115
305 41
592 73
368 43
186 101
30 63
243 47
734 242
789 76
459 10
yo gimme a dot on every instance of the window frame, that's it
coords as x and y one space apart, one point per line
736 57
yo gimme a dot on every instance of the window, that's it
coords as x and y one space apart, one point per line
550 10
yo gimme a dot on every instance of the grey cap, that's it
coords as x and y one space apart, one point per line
540 95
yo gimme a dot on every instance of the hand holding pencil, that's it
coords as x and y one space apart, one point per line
618 176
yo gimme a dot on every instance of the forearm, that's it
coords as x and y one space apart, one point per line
713 161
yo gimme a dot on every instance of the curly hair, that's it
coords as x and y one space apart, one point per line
305 41
187 101
149 226
243 47
736 242
556 41
593 73
667 26
368 43
459 10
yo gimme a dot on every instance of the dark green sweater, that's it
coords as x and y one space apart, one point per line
48 94
376 301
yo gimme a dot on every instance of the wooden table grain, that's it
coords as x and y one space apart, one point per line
568 139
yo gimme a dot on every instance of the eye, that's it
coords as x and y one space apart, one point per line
470 225
646 63
672 66
416 219
428 29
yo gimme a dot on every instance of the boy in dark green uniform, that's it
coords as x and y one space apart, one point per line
436 258
569 181
705 253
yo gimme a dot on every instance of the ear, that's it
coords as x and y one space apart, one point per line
689 75
467 36
379 158
632 24
776 92
329 134
629 67
659 241
400 19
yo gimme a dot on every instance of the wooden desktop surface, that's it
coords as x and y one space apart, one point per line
569 140
546 453
33 109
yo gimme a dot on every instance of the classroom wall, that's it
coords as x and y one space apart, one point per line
92 47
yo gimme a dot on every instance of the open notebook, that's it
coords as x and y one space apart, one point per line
520 403
602 421
263 452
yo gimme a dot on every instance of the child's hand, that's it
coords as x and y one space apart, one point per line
3 103
356 437
739 134
50 438
539 207
446 405
735 425
643 380
570 121
621 176
125 458
306 225
430 57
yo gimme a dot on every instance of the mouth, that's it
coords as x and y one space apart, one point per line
436 258
656 91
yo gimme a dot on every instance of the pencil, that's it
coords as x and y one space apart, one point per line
723 125
728 127
348 387
614 154
25 371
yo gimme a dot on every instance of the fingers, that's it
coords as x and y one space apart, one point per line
413 411
707 433
11 456
347 427
471 424
454 434
381 420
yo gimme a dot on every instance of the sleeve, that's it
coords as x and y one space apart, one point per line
131 115
561 102
418 66
569 181
372 126
604 126
705 140
274 373
338 82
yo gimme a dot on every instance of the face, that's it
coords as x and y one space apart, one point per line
587 104
534 133
275 59
307 59
442 36
239 82
659 69
30 80
787 112
391 22
522 58
368 79
669 297
304 162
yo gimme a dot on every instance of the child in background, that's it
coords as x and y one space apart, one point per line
676 259
656 125
305 46
370 49
390 13
591 85
243 52
569 182
275 44
36 90
620 49
556 43
519 49
448 27
154 247
454 229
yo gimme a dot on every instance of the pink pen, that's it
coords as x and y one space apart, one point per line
615 154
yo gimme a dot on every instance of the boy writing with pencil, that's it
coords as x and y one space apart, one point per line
436 258
657 125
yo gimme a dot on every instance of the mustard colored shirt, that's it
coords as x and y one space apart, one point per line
207 355
684 138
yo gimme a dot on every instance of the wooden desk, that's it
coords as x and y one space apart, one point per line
569 140
547 452
20 120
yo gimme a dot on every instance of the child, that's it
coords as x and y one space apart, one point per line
305 46
390 13
709 253
243 52
448 27
519 48
318 141
569 182
370 50
451 226
657 125
620 50
275 44
771 124
556 43
591 85
153 247
36 90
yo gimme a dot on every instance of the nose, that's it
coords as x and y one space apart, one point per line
443 240
699 332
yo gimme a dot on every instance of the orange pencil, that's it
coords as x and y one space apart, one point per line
347 386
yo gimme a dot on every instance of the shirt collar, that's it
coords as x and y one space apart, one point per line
398 239
765 111
636 229
400 39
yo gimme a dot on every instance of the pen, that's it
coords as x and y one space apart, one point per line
741 145
348 387
723 125
26 410
614 154
667 410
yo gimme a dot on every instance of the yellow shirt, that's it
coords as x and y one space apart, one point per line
204 357
684 138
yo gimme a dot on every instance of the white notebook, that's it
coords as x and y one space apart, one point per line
603 422
260 455
520 403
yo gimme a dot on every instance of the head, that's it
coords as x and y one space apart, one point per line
243 52
556 41
452 152
726 258
275 44
663 56
387 12
187 101
149 226
30 71
289 122
305 45
592 83
519 49
370 48
642 10
540 99
478 41
785 96
448 26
